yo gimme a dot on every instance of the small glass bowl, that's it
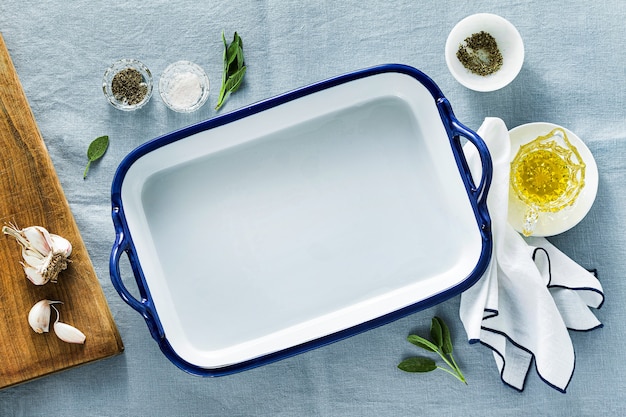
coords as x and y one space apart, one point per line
184 86
116 68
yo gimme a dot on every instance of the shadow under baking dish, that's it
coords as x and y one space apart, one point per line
300 221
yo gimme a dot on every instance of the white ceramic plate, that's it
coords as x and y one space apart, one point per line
300 220
550 224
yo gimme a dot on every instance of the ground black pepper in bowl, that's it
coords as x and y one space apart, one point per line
479 53
127 84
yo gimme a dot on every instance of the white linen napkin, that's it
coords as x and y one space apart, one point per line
531 293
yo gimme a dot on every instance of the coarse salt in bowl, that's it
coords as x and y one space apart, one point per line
509 42
184 86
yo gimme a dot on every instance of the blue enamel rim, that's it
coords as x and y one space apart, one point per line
144 305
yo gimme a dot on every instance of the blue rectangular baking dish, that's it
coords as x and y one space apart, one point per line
300 220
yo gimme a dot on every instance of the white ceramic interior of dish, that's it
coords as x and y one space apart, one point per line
300 221
550 224
509 43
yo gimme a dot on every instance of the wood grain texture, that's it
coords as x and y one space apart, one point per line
31 194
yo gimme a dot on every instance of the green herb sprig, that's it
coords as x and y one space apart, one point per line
96 150
441 344
234 68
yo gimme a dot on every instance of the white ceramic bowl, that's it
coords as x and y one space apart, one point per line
509 43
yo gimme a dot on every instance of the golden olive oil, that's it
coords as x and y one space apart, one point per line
542 177
547 174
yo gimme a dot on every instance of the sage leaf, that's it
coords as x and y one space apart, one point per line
436 332
233 83
441 345
417 364
96 150
423 343
231 53
234 68
240 56
447 339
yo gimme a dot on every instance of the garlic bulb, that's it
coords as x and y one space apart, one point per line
39 316
45 254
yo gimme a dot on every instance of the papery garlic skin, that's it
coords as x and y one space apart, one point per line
69 334
45 254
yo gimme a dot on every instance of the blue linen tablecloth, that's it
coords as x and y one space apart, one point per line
574 75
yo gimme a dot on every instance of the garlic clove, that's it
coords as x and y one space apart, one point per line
39 239
61 245
69 334
39 316
32 259
35 276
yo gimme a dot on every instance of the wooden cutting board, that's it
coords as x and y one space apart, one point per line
31 194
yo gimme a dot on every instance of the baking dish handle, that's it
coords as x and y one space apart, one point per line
145 306
478 193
